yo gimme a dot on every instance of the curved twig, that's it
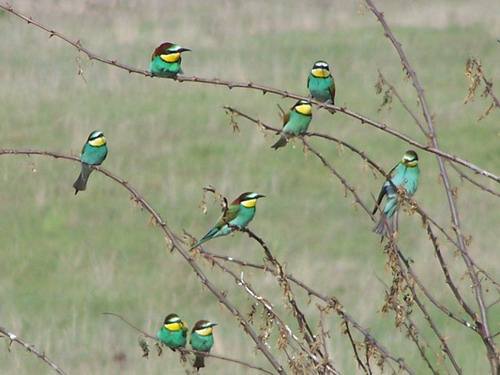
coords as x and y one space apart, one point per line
175 244
264 89
482 323
31 348
206 354
473 182
332 302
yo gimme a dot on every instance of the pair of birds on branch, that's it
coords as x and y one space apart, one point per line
166 62
173 334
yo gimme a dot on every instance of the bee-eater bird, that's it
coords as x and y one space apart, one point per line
173 332
166 60
202 340
321 84
404 174
94 152
238 214
295 122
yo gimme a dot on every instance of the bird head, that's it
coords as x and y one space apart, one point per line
303 107
410 159
203 327
169 52
96 138
248 199
172 322
320 69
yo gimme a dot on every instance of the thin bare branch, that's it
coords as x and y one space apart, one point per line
354 349
31 348
185 350
332 302
268 307
482 323
473 182
252 86
383 80
175 244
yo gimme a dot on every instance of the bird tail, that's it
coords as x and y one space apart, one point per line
332 102
81 181
386 230
281 142
199 362
205 238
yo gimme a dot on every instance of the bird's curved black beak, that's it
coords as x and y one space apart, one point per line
260 196
183 49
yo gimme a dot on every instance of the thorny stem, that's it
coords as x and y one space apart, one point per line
185 350
354 349
252 86
175 244
267 306
419 124
482 322
332 302
427 316
31 348
473 182
413 204
283 281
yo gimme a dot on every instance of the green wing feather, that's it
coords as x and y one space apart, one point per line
332 92
285 118
383 191
226 217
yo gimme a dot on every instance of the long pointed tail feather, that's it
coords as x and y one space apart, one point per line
199 362
281 143
205 238
385 230
81 182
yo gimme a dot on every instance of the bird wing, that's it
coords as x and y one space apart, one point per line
229 215
308 79
285 118
383 191
332 91
379 199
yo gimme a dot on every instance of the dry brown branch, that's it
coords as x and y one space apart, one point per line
481 322
175 244
31 348
399 269
285 330
354 349
474 72
252 86
332 302
185 350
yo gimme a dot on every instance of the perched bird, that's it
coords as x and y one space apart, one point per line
239 213
295 122
202 340
166 60
321 84
94 152
404 174
173 333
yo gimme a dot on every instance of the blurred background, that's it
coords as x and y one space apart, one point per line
65 259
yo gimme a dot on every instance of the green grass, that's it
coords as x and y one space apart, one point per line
67 259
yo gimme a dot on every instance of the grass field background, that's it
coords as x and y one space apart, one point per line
64 259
